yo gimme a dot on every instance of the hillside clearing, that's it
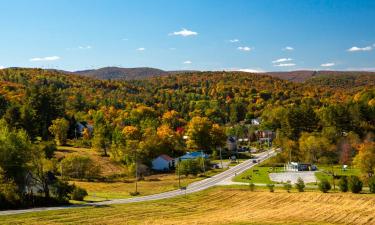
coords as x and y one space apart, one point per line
221 206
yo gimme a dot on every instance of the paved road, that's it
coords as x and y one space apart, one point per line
194 187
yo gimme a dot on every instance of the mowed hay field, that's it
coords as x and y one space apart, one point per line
221 206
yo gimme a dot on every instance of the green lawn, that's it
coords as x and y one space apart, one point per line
99 191
257 174
325 172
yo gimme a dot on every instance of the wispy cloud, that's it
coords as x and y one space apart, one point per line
234 40
285 64
359 49
48 58
245 49
187 62
184 32
85 47
282 60
328 64
141 49
172 49
249 70
288 48
125 39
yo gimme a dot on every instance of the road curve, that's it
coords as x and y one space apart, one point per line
194 187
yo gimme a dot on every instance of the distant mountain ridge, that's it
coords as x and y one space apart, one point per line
118 73
304 75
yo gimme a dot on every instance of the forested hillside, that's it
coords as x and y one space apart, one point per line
327 119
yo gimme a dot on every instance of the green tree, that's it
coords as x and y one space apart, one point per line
355 184
324 186
343 184
59 129
15 154
47 104
300 185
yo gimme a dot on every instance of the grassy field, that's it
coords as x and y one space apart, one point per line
99 191
326 171
121 188
107 166
258 174
231 205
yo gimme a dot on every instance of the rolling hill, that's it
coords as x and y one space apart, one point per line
117 73
299 76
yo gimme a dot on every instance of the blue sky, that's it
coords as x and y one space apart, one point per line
250 35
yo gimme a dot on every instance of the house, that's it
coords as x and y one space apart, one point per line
297 166
193 155
163 163
81 126
255 122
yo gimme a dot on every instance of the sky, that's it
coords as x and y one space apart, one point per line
249 35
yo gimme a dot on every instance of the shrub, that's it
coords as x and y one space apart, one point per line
81 167
271 187
300 185
371 184
79 194
252 186
355 184
61 190
324 186
287 186
49 149
343 184
135 193
188 167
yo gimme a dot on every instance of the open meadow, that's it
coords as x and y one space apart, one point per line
219 205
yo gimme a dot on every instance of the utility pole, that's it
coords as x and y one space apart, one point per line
178 171
61 168
203 159
136 173
221 158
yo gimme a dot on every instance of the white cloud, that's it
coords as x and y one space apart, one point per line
48 58
85 47
249 70
187 62
285 64
125 39
2 67
288 48
327 64
184 32
172 49
282 60
244 48
141 49
359 49
234 40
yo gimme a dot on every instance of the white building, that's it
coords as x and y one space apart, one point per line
163 163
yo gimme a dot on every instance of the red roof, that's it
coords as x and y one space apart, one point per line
166 157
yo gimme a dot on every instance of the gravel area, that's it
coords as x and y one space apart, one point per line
308 177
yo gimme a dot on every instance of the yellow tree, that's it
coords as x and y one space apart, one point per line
198 131
59 129
365 159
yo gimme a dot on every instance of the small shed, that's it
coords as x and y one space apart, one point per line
163 163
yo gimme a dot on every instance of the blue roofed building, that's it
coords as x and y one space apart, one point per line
193 155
